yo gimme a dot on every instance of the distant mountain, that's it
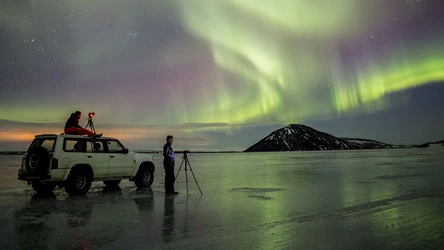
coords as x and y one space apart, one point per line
12 152
296 137
437 144
357 143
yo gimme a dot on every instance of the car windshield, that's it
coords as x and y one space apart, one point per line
47 143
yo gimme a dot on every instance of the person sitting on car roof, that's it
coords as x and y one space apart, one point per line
72 126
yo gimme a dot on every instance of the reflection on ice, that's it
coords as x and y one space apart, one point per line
310 200
258 193
168 218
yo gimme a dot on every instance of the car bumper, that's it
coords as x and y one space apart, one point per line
54 175
23 176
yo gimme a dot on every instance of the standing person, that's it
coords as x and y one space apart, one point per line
72 126
168 165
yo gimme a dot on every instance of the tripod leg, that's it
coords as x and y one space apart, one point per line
93 129
186 175
178 171
194 177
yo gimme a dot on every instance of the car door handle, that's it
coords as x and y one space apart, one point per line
89 156
112 156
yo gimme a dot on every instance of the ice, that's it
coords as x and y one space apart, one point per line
355 199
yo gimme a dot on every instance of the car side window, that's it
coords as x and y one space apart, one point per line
95 147
47 143
73 145
115 147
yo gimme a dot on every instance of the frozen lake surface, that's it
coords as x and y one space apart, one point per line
366 199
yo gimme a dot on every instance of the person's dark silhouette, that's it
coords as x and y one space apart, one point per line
168 165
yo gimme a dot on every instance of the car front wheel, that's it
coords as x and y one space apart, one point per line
144 177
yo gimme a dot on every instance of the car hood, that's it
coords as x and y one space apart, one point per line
142 156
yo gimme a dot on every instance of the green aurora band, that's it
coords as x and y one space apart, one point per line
275 63
287 58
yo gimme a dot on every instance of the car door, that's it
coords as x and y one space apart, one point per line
121 163
97 157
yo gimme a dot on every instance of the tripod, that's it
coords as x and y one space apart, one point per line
187 163
90 124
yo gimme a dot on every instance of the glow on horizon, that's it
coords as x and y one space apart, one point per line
132 137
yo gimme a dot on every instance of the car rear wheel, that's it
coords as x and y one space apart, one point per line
43 187
78 183
111 183
144 177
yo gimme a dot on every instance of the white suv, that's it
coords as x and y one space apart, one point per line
74 161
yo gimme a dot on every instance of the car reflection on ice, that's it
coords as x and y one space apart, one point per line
47 221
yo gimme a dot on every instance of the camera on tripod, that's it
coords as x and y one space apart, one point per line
90 122
187 165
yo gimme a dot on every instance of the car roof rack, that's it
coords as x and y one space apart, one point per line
45 135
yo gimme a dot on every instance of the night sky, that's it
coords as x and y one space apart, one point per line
222 74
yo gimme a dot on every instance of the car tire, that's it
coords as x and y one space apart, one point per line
78 183
144 177
43 187
37 161
112 183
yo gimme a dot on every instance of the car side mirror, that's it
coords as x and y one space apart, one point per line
126 151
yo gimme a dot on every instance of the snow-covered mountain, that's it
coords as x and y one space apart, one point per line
356 143
437 144
296 137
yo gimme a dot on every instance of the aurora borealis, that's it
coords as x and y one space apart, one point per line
206 71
